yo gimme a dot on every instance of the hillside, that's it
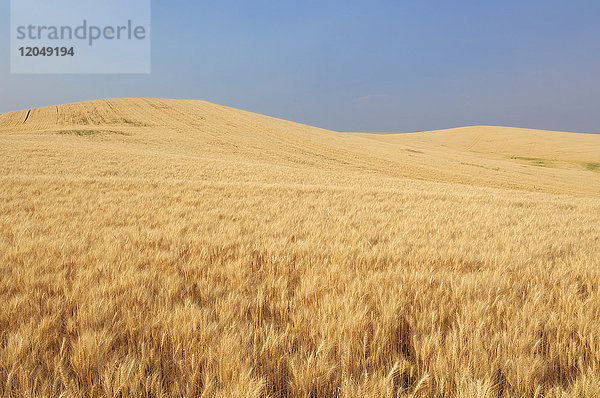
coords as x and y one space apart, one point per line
506 142
199 131
179 248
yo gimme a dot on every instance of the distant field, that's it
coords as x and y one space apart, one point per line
179 248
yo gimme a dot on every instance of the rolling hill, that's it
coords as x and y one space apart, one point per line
483 156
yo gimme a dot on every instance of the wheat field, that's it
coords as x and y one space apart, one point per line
164 248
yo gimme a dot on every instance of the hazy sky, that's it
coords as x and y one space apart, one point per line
402 65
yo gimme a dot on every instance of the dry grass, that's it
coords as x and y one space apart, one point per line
212 252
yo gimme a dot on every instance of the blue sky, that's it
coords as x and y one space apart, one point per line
359 65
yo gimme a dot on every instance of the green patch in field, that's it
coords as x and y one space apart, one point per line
534 161
83 133
593 166
129 122
480 166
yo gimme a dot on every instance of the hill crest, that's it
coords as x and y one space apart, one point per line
499 157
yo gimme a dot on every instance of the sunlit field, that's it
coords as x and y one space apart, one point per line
156 248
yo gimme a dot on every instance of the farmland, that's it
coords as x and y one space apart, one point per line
179 248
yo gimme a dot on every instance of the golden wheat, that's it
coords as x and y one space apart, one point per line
178 248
